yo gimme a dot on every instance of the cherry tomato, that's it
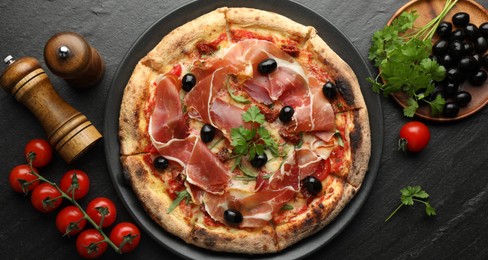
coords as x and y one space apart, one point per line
46 198
127 234
414 136
22 174
70 221
81 184
43 151
89 244
105 205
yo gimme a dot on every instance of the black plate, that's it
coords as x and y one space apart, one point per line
336 40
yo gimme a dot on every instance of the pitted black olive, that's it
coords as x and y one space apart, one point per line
188 82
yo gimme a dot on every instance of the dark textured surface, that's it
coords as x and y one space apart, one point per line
453 168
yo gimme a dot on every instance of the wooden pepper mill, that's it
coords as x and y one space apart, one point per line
68 131
69 56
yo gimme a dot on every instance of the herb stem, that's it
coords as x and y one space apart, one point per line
393 213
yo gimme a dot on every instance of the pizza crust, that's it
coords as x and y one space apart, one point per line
360 142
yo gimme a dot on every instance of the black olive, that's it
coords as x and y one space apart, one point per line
444 30
259 160
188 82
463 98
468 48
471 31
267 66
312 185
451 109
454 74
434 95
160 163
456 49
484 61
478 78
286 113
468 64
330 90
481 45
440 47
457 35
483 29
207 133
460 19
451 88
446 60
233 216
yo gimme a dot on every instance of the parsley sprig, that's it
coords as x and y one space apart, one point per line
414 194
404 63
255 140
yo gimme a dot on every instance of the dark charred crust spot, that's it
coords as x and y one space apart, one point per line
345 90
208 239
356 137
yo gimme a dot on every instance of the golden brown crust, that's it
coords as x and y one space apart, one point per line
360 142
133 122
150 190
179 44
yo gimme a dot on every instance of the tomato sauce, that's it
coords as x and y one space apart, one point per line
239 35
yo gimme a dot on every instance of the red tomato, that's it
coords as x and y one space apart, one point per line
46 198
70 221
81 184
99 205
42 150
22 174
89 244
127 235
414 136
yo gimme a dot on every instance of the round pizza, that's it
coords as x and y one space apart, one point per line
243 131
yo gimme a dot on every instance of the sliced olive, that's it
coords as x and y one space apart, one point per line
451 88
330 90
188 82
457 35
312 185
160 163
460 19
233 216
444 30
207 133
440 47
286 114
451 109
478 78
483 29
481 45
259 160
468 64
463 98
456 49
471 31
267 66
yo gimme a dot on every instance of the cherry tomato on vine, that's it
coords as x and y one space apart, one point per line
70 221
22 180
414 137
102 205
46 198
43 151
127 235
81 184
90 244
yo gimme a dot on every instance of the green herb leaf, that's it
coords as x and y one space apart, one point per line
253 114
236 98
182 195
340 141
414 194
287 207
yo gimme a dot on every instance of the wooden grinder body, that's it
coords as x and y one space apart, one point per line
68 131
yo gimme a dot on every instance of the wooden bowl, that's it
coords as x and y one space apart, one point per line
428 10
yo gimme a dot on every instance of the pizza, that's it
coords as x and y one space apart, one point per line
243 131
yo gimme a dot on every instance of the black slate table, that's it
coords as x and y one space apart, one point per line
453 168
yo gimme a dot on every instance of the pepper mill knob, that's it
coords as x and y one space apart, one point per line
68 131
69 56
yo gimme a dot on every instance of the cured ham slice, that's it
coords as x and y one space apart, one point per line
167 120
226 116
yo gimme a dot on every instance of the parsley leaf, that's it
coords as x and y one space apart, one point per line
239 99
414 194
253 114
404 63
